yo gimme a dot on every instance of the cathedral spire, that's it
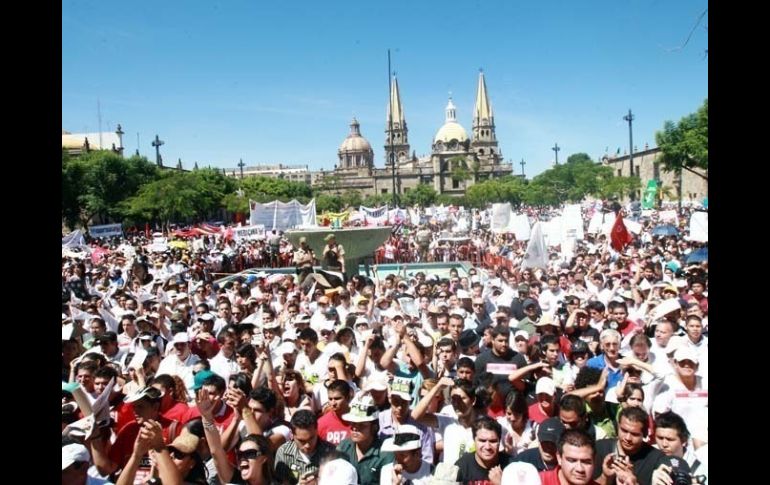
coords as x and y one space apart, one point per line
483 108
484 142
397 142
394 107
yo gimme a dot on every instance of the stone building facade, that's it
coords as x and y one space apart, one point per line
646 166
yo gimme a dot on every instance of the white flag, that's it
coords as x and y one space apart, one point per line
537 252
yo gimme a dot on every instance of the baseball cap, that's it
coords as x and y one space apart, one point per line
181 338
406 438
468 338
578 347
107 337
286 348
72 453
550 430
186 442
545 385
528 303
402 388
685 353
338 472
520 473
521 333
200 377
546 319
523 288
148 392
362 410
377 383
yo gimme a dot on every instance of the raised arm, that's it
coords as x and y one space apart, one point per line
222 464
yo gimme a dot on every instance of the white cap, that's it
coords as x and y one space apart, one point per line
286 348
545 385
361 320
521 333
206 316
377 383
405 439
685 353
289 334
337 472
182 296
457 311
463 295
520 473
181 338
72 453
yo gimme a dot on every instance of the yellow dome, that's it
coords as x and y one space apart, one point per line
355 144
451 130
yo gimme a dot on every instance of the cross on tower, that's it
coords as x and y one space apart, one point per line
522 163
157 142
241 165
556 149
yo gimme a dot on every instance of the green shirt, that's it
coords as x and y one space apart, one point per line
370 465
527 325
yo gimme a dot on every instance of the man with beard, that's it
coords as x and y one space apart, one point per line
501 360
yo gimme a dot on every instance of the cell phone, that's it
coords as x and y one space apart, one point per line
308 475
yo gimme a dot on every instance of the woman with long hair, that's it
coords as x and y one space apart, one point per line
173 403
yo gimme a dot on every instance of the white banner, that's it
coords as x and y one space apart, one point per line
519 226
375 217
249 232
501 215
573 222
73 240
699 226
537 253
553 231
282 215
106 230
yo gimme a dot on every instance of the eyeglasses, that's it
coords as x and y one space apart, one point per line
249 454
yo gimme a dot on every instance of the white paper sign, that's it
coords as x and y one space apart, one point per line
699 227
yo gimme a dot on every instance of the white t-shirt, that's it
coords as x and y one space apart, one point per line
458 440
524 442
422 476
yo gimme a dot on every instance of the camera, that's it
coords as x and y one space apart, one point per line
680 477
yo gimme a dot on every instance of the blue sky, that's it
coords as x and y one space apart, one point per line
278 82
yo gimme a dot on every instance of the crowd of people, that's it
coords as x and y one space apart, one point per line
593 369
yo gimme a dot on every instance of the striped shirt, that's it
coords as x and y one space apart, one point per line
291 464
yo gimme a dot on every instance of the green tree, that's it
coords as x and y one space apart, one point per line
377 200
423 195
506 189
96 183
352 199
685 145
459 169
327 203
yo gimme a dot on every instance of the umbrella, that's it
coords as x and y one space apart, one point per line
665 230
698 256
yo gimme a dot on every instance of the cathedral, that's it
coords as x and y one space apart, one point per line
455 163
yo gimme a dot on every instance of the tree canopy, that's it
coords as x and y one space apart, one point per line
685 145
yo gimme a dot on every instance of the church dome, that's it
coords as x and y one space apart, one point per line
355 142
451 130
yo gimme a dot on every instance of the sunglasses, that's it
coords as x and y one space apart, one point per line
178 454
249 454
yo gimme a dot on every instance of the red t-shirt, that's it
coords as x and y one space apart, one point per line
537 415
551 477
180 411
630 327
332 429
221 421
121 450
497 408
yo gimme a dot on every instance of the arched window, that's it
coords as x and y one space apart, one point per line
481 152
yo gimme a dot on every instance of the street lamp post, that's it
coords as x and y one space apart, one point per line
630 118
390 133
522 163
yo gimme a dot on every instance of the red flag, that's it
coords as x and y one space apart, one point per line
619 236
